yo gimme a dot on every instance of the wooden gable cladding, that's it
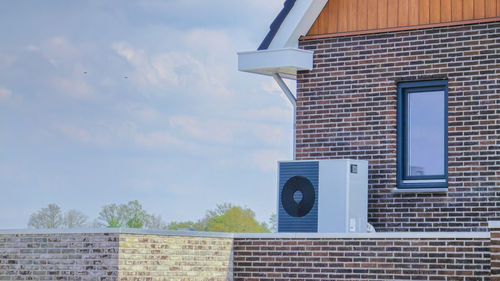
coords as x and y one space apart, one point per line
345 17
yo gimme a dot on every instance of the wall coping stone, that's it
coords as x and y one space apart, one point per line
118 231
494 224
376 235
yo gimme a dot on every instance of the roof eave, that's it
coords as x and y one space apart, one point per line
279 53
286 62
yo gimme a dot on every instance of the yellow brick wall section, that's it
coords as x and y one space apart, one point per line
159 258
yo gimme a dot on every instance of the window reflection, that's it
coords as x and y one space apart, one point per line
425 133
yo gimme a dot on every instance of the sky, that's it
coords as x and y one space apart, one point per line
110 101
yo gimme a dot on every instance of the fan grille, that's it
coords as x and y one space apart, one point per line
303 220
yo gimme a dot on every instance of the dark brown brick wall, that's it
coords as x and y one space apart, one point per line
362 259
347 109
495 254
142 256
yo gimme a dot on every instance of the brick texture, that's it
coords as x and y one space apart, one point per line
347 109
113 257
59 257
495 254
361 259
155 258
148 257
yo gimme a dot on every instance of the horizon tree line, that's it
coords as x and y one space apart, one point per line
224 217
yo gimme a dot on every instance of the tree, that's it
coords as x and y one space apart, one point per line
74 218
110 216
134 215
130 215
220 209
182 225
224 218
273 223
236 219
96 223
156 223
49 217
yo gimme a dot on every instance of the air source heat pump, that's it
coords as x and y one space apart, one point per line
328 196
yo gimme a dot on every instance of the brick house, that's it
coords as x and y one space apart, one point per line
413 87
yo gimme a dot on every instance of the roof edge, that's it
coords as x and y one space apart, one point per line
287 62
276 24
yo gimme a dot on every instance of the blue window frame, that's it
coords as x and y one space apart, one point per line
422 134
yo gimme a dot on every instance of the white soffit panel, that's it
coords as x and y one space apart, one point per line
284 61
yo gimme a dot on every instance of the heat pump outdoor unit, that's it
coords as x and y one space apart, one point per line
328 196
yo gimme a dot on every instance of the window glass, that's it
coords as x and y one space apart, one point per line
425 133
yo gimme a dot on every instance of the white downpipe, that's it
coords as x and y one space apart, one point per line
293 101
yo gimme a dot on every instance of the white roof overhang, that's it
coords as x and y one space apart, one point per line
285 62
282 55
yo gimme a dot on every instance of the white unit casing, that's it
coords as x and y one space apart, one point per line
340 190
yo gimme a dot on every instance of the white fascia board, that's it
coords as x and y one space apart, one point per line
286 62
297 23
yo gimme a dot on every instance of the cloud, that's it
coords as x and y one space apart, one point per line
199 65
160 71
228 132
221 132
265 160
122 133
144 113
4 93
188 55
187 134
84 135
269 114
73 87
158 139
70 62
208 41
243 14
6 61
58 50
32 48
268 134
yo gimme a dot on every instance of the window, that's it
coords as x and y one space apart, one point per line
422 149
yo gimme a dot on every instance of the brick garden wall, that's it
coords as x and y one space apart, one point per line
495 251
122 255
160 257
347 109
117 255
362 259
59 256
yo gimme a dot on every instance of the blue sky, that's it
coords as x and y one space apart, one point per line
109 101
